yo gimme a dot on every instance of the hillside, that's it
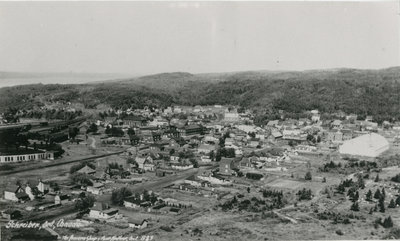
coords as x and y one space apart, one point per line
375 92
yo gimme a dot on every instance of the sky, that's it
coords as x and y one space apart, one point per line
197 37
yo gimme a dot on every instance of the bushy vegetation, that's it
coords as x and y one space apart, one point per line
337 217
254 176
84 202
81 179
118 196
396 178
272 200
304 194
363 92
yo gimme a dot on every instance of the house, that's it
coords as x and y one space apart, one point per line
229 141
11 214
210 139
109 121
43 187
231 117
181 166
205 149
305 149
336 124
191 130
61 199
137 224
162 172
315 118
15 193
273 123
246 162
102 211
29 192
132 202
226 166
86 170
135 121
96 189
145 163
275 135
174 158
205 159
254 143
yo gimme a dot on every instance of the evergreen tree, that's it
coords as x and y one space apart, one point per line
377 178
392 204
308 176
360 182
388 222
383 193
381 204
340 188
356 196
377 194
355 207
369 196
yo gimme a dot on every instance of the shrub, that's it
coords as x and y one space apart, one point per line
255 176
308 176
396 178
339 232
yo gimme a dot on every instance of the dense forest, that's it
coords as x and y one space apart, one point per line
364 92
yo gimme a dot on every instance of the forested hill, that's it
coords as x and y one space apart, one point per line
375 92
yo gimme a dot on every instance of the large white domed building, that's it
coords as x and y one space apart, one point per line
368 145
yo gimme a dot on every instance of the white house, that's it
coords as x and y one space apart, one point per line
15 193
96 189
137 224
102 211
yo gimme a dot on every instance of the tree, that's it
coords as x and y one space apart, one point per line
377 178
324 179
355 207
194 162
383 193
388 222
118 196
396 178
377 194
84 202
369 196
248 189
355 196
381 204
392 204
212 155
308 176
131 132
81 179
92 128
360 182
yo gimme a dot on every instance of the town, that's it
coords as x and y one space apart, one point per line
205 172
